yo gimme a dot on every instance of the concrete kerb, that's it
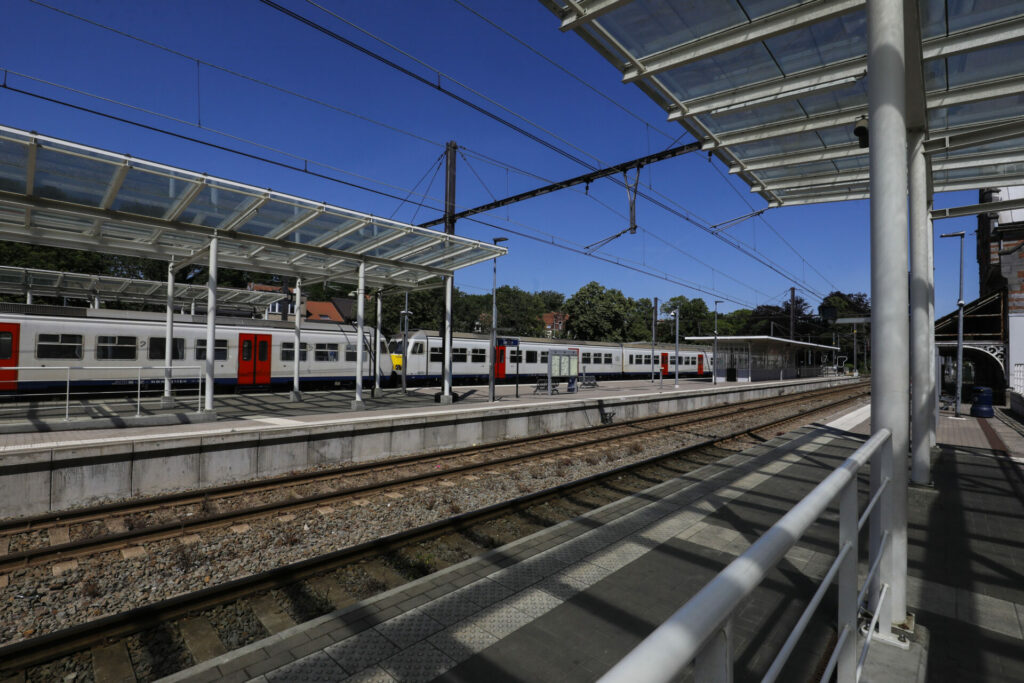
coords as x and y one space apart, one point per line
77 475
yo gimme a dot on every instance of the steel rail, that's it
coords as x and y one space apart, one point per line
48 647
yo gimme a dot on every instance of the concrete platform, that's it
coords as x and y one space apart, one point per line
568 602
45 471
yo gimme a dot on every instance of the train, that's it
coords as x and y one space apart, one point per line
42 348
529 358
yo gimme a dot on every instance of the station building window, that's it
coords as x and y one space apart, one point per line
59 346
325 353
115 348
288 351
479 355
220 349
157 347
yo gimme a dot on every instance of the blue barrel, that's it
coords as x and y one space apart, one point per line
981 402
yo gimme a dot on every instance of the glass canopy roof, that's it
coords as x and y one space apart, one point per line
20 281
62 194
773 87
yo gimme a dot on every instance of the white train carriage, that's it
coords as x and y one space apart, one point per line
692 362
471 360
106 348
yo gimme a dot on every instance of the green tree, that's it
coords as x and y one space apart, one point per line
597 314
519 312
550 300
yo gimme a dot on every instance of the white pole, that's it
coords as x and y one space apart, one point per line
676 314
446 391
296 394
211 323
168 337
920 294
890 381
376 349
405 343
358 404
28 297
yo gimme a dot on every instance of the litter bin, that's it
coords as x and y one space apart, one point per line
730 374
981 402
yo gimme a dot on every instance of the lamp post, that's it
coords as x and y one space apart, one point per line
960 323
714 359
494 318
675 314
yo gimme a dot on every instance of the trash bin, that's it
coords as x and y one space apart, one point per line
730 374
981 402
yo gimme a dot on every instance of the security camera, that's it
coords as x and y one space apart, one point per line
860 129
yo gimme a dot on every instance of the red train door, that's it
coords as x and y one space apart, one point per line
9 355
664 363
700 364
254 359
499 363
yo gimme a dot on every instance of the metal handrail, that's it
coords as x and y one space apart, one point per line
138 379
700 631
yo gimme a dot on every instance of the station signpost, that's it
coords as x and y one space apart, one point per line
513 342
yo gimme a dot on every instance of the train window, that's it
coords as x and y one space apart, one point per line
586 357
220 349
6 345
288 351
479 355
262 351
607 359
246 350
515 356
350 353
61 346
326 353
115 348
436 355
531 356
647 360
543 356
417 349
158 345
458 355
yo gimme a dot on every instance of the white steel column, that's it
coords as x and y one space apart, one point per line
921 286
211 323
167 401
358 404
376 350
446 391
934 382
296 394
28 297
890 386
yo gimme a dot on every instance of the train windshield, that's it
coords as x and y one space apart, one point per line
396 346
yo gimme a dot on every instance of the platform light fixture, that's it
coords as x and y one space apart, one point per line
494 316
960 323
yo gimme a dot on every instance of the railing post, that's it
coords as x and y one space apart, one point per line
67 395
713 664
846 666
884 575
138 393
199 395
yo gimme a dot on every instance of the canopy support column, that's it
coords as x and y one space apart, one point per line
167 401
211 323
28 297
358 403
921 286
376 350
890 386
296 395
446 391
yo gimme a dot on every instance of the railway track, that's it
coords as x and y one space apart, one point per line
76 534
35 651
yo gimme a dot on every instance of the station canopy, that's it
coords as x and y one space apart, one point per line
773 87
61 194
762 339
19 281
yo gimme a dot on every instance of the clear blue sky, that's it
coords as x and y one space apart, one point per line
251 38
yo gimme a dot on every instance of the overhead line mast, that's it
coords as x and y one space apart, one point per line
578 180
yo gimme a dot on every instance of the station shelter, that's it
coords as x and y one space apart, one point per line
761 358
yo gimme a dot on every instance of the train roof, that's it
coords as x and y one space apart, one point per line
560 342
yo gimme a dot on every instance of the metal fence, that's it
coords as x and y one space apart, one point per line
146 387
700 631
1018 378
